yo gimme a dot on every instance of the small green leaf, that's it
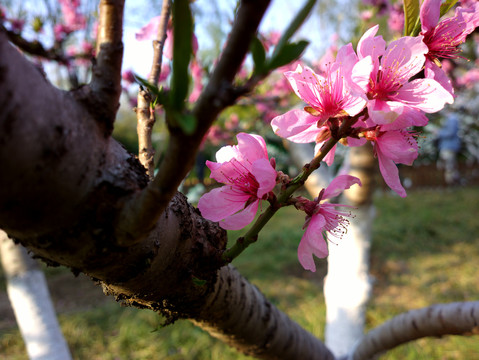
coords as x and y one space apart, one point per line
294 26
182 51
447 5
198 282
259 55
411 16
288 54
153 89
159 94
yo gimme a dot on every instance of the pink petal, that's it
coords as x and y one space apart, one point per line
361 74
149 31
312 242
296 125
304 83
384 112
409 117
346 59
226 153
221 202
398 146
424 94
354 104
429 14
251 147
329 158
432 71
339 184
265 175
227 171
353 142
390 174
369 44
168 47
240 219
404 58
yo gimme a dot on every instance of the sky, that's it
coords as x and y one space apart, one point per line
138 54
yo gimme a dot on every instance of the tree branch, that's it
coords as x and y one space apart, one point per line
460 318
277 337
159 43
144 111
105 87
141 212
35 47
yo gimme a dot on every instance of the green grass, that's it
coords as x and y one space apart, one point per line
425 250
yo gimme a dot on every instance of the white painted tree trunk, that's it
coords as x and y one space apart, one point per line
28 293
347 286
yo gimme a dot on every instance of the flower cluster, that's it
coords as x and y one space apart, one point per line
375 93
383 87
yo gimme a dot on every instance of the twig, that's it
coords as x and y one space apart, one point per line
145 112
36 48
159 43
460 318
106 76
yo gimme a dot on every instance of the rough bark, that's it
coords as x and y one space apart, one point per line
66 182
28 294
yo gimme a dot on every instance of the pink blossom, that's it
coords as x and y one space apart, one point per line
396 18
197 74
444 37
73 19
470 78
327 97
322 218
149 31
61 31
128 76
389 88
248 177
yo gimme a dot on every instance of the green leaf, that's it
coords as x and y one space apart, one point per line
288 53
259 55
411 16
182 51
160 96
294 26
198 282
447 5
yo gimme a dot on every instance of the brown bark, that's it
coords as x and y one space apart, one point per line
64 183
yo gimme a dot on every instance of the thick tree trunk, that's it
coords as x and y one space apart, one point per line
64 182
28 293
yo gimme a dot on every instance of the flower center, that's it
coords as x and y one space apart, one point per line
444 39
244 182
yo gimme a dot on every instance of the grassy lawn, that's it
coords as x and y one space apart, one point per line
425 250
